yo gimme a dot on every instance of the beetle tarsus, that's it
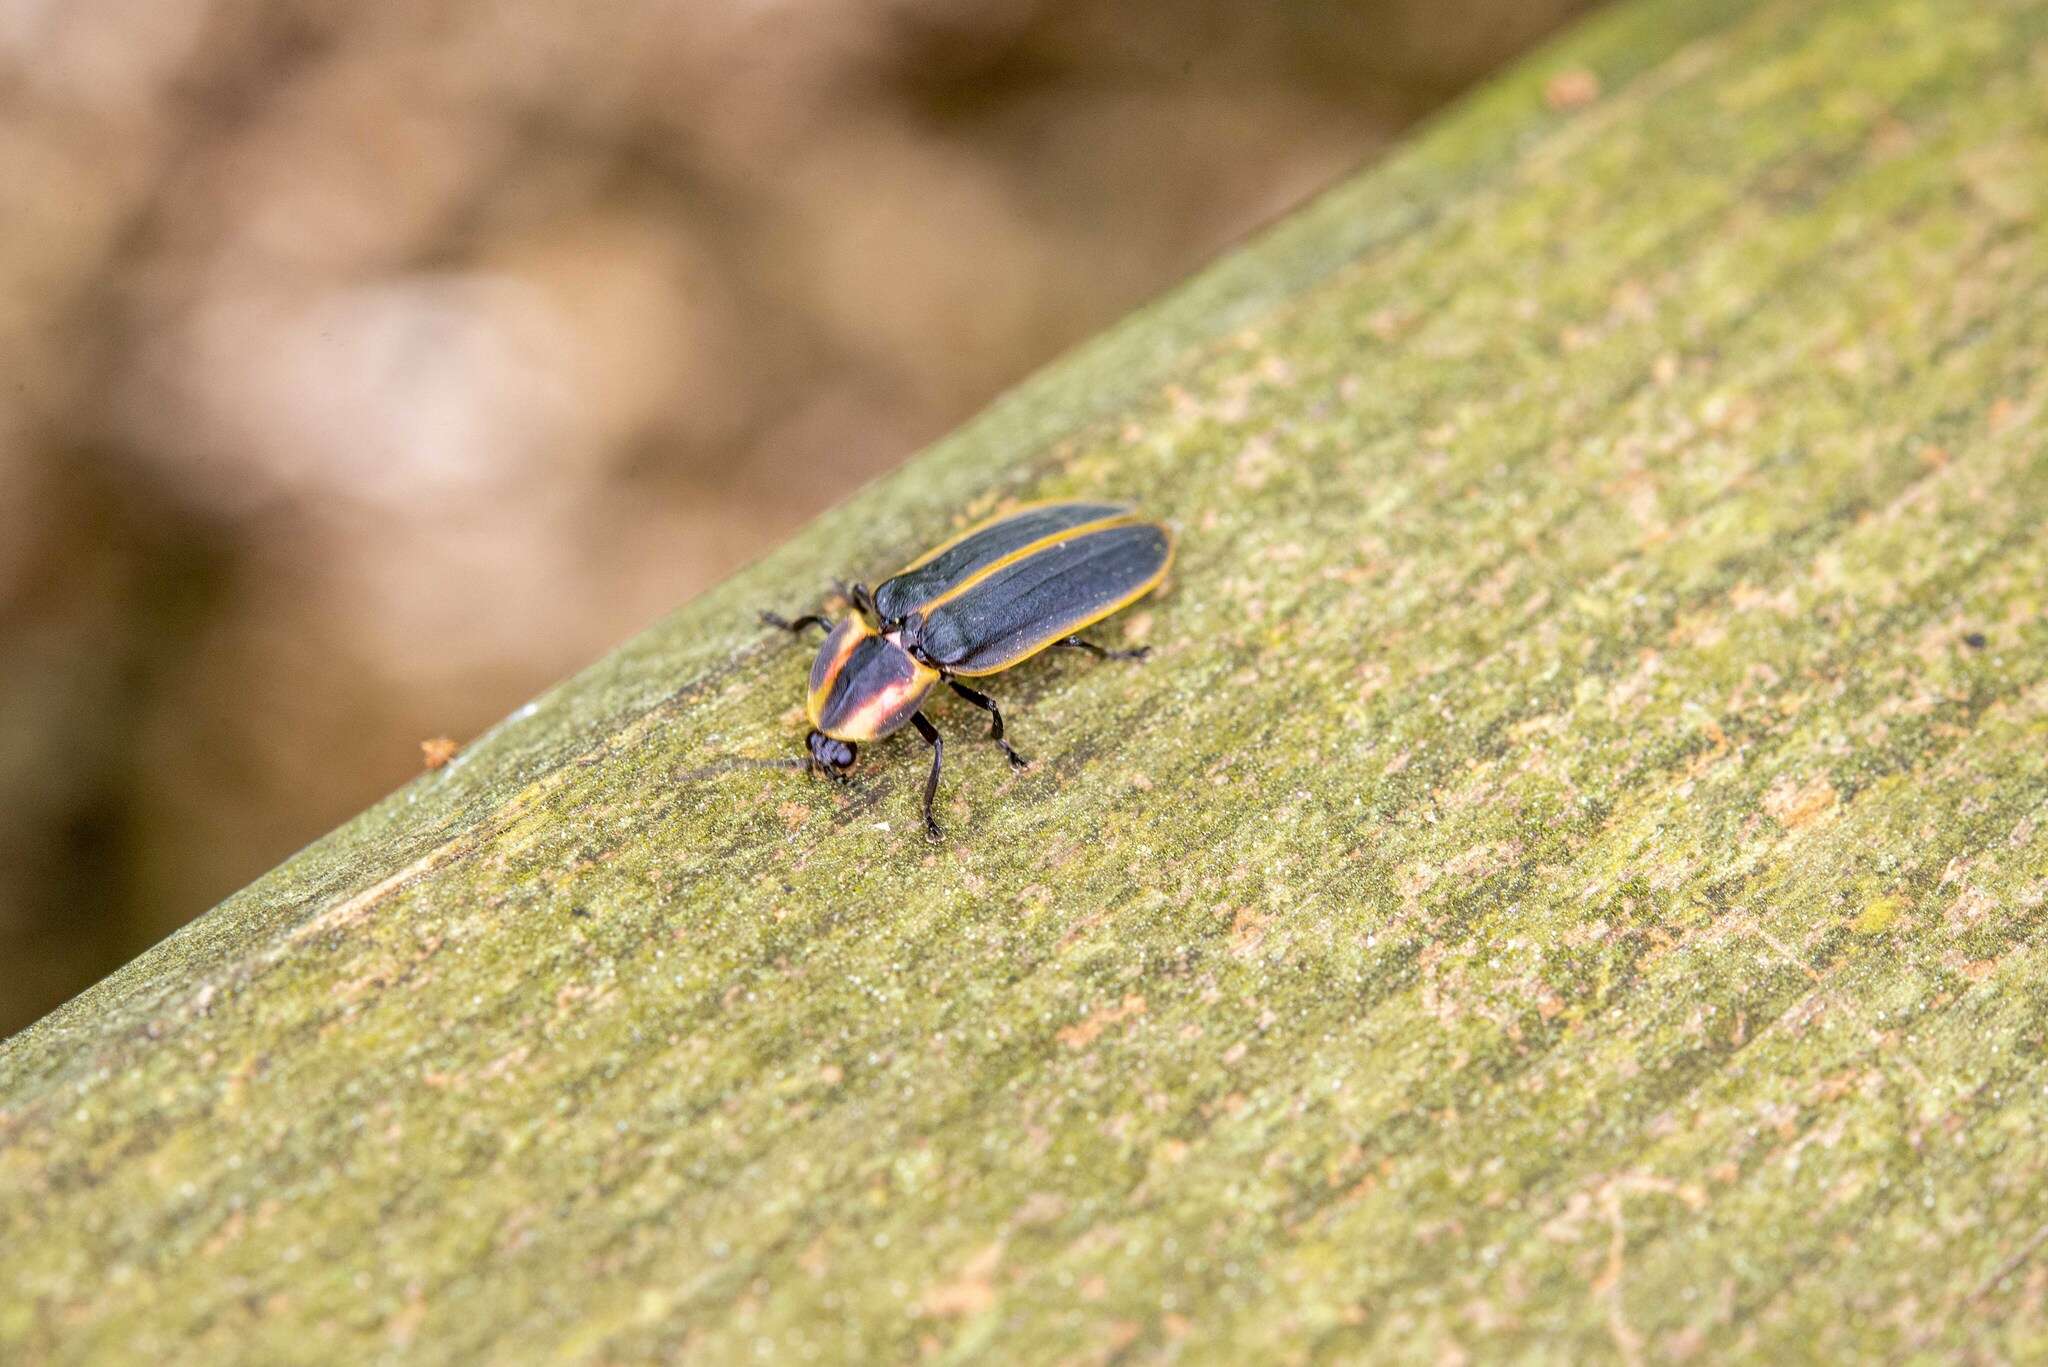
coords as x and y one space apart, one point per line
931 783
794 625
1076 643
995 729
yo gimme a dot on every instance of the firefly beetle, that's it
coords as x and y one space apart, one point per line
989 598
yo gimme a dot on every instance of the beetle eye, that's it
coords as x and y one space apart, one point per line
835 756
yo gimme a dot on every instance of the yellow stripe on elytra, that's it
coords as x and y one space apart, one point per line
1025 551
983 525
1119 605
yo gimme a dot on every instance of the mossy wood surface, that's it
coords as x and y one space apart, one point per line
1572 880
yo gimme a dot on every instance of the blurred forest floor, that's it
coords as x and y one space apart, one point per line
365 368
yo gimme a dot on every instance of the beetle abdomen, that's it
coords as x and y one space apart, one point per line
1021 607
954 562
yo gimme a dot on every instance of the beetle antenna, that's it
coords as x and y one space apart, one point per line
727 764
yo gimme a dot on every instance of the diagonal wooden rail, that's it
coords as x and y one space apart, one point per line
1572 880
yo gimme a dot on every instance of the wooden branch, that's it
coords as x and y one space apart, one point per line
1569 882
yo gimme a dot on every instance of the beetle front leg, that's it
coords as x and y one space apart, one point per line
995 730
1076 643
862 598
931 784
794 625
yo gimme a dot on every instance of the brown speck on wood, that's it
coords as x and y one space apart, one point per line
1573 89
815 1260
438 751
1040 1208
1082 1033
971 1292
1795 804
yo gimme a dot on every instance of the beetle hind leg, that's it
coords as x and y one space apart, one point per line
1076 643
931 783
995 729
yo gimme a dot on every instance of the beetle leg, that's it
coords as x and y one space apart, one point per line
995 730
809 619
931 784
862 598
1076 643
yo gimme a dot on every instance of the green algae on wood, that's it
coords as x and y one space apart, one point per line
1570 882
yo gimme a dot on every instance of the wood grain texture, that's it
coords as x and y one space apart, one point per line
1569 883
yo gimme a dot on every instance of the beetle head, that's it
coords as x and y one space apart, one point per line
830 757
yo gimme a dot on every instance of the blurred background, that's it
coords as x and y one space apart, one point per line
367 367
